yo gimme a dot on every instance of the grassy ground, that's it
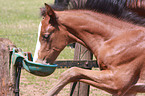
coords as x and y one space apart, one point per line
37 86
19 22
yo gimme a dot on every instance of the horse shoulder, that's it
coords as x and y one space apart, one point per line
122 49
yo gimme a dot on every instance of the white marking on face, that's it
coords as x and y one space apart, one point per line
38 45
48 28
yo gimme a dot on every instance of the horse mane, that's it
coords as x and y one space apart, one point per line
115 8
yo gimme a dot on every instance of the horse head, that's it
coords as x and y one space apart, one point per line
52 38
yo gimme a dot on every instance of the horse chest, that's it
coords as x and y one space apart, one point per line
107 56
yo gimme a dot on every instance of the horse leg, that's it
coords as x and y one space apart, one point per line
105 80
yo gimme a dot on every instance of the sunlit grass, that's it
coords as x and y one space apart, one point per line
19 22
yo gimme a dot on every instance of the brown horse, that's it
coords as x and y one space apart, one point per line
118 46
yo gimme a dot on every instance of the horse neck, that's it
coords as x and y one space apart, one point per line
91 29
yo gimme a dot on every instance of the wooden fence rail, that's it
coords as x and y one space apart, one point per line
72 63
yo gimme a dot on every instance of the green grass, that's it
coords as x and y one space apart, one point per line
19 22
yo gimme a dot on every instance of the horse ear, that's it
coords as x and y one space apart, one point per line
49 11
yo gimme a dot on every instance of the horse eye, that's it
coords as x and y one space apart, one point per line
46 36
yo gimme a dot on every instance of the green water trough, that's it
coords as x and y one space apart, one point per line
30 66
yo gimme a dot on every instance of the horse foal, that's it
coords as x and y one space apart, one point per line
118 46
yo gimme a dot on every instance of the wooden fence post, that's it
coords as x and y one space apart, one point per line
79 88
6 86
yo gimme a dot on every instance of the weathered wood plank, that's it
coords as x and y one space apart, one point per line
4 70
6 86
79 88
72 63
